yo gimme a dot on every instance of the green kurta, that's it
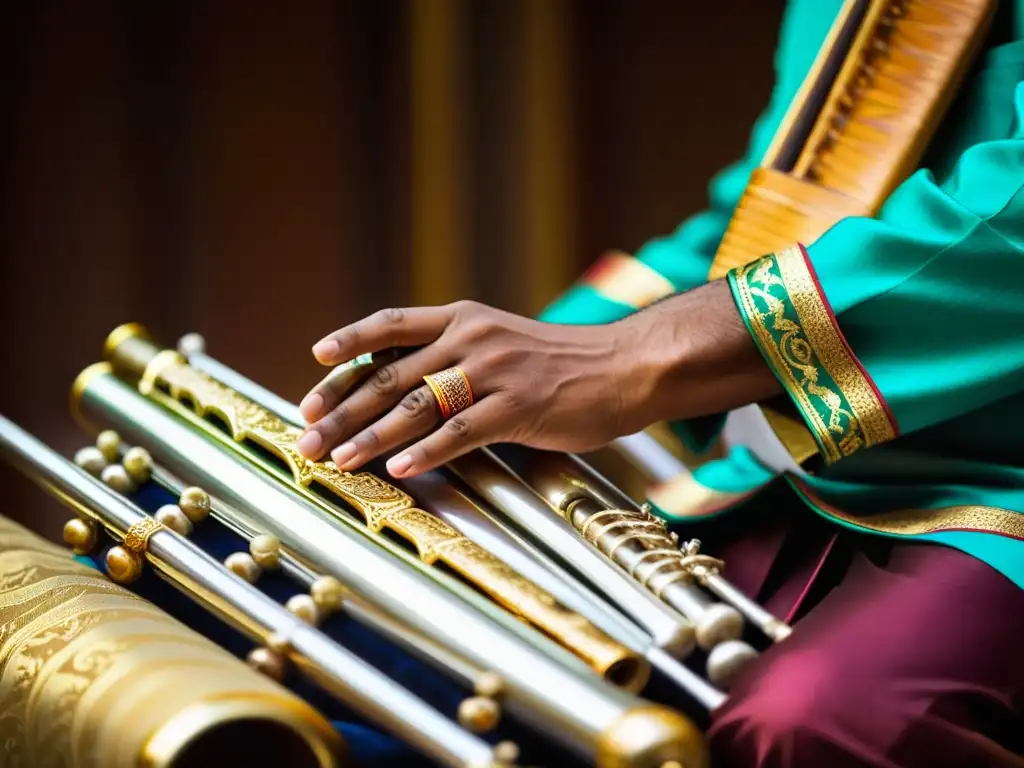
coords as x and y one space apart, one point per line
928 298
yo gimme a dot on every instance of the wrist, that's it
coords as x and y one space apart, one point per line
693 356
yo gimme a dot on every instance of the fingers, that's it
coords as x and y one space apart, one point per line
340 382
381 391
480 424
381 330
415 415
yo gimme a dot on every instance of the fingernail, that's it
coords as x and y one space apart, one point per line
311 406
343 454
399 464
326 351
309 444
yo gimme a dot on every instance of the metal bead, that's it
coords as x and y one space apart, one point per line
507 753
91 460
195 503
123 565
279 643
328 593
726 660
479 714
267 662
80 535
172 516
138 464
243 566
489 684
303 607
716 624
109 443
191 344
116 477
265 550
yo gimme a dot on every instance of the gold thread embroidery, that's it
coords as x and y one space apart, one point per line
826 341
807 347
917 522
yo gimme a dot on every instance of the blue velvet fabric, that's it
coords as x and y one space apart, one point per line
368 746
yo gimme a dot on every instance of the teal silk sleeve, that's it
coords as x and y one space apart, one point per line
889 325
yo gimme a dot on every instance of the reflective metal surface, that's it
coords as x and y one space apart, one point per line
207 581
545 685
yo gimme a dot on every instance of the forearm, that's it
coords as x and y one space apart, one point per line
694 356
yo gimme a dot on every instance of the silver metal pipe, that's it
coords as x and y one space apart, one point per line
494 482
568 483
209 583
439 496
545 685
359 610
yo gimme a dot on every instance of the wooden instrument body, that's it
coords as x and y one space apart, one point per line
859 124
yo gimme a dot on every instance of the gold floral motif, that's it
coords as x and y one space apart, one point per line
89 671
137 538
382 505
805 350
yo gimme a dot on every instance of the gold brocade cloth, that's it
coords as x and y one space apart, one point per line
93 676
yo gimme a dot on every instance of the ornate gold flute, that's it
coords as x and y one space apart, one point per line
141 688
664 634
204 580
543 684
381 505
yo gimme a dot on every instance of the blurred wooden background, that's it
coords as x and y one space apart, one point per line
264 172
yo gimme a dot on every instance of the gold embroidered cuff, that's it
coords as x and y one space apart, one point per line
791 322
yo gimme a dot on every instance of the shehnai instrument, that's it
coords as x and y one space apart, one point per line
236 456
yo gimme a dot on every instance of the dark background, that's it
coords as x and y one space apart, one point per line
264 172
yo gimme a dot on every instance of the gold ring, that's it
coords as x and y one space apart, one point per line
451 390
137 538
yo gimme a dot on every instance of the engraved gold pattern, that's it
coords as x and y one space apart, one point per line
137 538
660 562
917 522
794 328
89 671
451 389
382 505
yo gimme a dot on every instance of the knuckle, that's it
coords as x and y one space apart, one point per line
514 401
391 315
459 427
369 440
465 306
416 404
337 418
348 338
384 380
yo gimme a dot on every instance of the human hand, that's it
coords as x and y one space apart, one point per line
559 387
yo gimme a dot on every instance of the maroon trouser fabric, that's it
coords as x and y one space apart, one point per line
914 658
